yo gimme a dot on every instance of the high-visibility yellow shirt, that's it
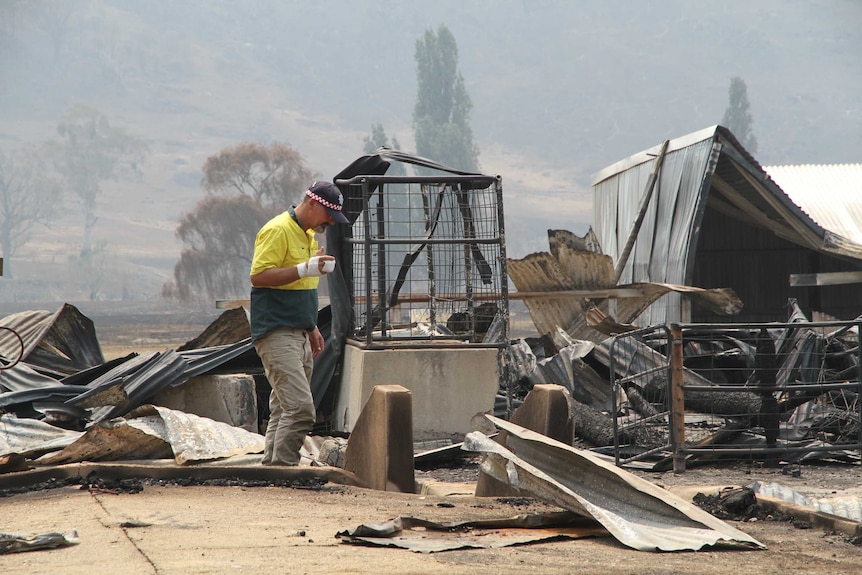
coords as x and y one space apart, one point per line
282 243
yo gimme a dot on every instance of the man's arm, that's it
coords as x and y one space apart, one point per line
317 342
272 277
275 277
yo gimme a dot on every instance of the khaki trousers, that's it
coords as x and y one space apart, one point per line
287 362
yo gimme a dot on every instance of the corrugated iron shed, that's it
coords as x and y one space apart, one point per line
716 219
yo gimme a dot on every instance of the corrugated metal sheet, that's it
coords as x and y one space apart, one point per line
848 507
830 193
661 251
21 377
640 514
154 432
62 342
423 536
555 289
31 437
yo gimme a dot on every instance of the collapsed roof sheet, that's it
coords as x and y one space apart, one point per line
115 387
559 289
21 377
61 342
703 176
145 376
31 437
638 513
153 432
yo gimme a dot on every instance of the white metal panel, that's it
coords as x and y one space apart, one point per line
831 194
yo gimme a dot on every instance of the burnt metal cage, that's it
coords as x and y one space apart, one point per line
429 261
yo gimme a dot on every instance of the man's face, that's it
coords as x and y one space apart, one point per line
322 219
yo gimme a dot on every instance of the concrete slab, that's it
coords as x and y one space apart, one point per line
230 399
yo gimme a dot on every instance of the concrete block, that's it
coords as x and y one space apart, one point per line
230 399
380 448
545 410
449 386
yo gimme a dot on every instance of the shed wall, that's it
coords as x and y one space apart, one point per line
757 264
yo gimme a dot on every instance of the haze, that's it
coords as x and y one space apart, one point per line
560 89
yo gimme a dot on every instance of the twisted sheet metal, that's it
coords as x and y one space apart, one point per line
637 513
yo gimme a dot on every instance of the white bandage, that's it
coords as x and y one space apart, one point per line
312 267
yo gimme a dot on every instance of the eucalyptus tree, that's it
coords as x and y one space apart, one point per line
245 186
28 196
91 151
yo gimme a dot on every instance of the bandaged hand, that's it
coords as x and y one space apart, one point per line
316 266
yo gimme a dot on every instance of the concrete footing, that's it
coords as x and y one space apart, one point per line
380 448
449 386
545 410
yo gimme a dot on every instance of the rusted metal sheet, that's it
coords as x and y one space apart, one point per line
542 274
639 514
230 327
546 280
423 536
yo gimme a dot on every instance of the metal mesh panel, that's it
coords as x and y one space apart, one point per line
640 398
429 260
773 392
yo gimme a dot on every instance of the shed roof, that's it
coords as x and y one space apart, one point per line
830 193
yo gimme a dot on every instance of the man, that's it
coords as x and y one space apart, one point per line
284 276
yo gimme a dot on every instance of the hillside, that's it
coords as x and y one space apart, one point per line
560 90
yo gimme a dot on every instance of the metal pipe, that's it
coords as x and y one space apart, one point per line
636 226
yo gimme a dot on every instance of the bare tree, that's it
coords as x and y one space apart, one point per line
91 151
247 185
27 197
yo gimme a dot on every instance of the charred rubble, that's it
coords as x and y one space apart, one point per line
790 388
